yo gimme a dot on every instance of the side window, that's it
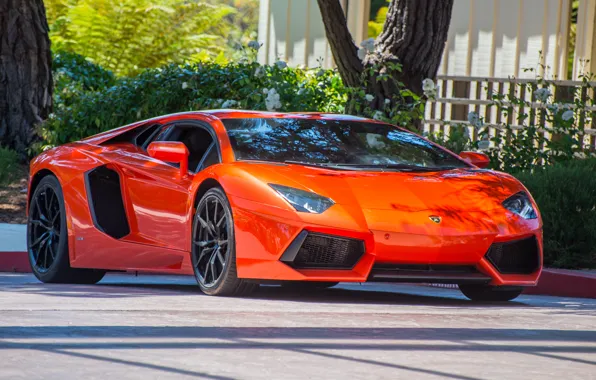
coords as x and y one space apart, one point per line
144 138
197 140
211 157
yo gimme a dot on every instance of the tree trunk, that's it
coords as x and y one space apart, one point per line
414 36
25 72
415 33
345 52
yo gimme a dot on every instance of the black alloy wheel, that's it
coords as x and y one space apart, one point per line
45 225
213 250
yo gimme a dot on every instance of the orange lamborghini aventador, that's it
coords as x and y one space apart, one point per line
238 197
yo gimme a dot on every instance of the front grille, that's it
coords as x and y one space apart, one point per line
517 257
435 273
319 251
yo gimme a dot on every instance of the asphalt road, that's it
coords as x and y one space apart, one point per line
162 327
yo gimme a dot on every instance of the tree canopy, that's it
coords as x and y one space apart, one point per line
127 36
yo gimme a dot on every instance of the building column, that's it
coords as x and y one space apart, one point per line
585 39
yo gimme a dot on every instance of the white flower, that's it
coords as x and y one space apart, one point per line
362 53
369 97
378 115
272 102
542 94
184 85
474 120
259 72
255 45
387 102
320 73
281 64
229 103
265 91
429 88
567 115
368 44
428 85
301 91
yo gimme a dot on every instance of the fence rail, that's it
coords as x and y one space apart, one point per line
459 95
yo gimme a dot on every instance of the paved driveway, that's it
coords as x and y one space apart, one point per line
161 327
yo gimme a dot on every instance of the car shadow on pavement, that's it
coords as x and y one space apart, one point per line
128 286
329 343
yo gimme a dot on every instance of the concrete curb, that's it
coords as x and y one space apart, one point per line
17 262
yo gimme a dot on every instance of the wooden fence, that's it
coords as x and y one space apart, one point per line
457 96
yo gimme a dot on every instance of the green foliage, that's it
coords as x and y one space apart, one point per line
403 108
457 140
566 196
71 68
127 36
9 165
376 24
241 85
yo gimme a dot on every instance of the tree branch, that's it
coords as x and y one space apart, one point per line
345 52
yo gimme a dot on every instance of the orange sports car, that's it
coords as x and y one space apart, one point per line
238 198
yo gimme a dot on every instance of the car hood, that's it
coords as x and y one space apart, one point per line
453 190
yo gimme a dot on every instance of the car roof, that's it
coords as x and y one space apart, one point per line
246 114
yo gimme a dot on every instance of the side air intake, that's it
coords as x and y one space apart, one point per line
319 251
105 202
516 257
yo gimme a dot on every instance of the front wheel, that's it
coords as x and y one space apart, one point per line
490 293
214 249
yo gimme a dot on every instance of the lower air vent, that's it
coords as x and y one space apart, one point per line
105 202
318 251
440 274
517 257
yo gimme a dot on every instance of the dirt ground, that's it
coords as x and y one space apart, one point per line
13 200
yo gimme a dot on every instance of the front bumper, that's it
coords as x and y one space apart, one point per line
264 236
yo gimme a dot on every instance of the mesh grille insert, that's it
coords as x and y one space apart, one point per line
518 257
322 251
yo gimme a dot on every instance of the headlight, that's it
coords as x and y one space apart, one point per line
521 205
303 201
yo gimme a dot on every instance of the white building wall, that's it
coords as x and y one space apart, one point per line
501 38
487 38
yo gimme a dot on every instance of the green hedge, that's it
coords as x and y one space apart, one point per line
9 165
84 107
566 196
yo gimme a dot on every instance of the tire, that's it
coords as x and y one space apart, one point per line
213 251
47 238
308 285
490 293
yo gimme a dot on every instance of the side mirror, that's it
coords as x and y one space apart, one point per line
475 158
170 151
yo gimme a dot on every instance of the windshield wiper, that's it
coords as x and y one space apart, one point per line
400 167
321 165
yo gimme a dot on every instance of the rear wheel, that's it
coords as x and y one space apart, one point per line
214 249
490 293
47 238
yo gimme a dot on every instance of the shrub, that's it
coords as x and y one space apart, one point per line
241 85
71 68
566 196
9 165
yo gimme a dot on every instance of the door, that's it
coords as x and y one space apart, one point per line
160 199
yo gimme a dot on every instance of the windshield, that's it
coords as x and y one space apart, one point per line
334 143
